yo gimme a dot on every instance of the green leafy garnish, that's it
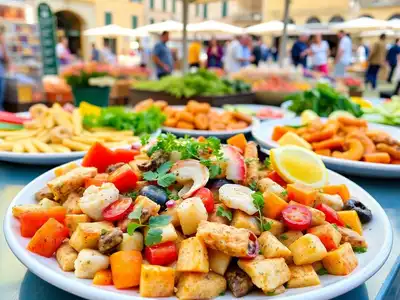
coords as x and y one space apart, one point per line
172 195
150 176
132 195
214 171
164 168
360 249
103 231
258 201
222 294
348 226
267 226
272 293
322 271
163 179
131 228
144 139
166 180
267 162
283 237
159 221
284 193
296 126
253 185
136 213
335 226
221 212
153 236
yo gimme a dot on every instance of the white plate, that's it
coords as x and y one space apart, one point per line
223 134
47 158
256 107
378 234
263 133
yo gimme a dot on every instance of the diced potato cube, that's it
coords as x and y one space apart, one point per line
266 273
18 210
47 203
65 169
277 227
193 256
66 256
317 216
289 237
350 218
307 249
173 213
156 281
149 208
179 240
89 262
72 221
302 276
219 261
72 204
328 235
191 212
87 235
242 220
131 242
341 261
271 247
333 201
200 285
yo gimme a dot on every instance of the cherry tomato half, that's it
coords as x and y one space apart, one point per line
207 197
331 216
118 210
161 254
297 217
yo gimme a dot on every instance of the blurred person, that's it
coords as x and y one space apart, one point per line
343 55
319 51
274 53
194 52
391 58
264 52
247 56
299 51
144 57
214 54
257 51
162 56
3 66
376 59
95 53
361 54
62 51
232 59
107 55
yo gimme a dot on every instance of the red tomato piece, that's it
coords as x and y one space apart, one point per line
118 210
8 117
99 157
278 179
161 254
123 178
325 238
124 155
331 216
33 220
297 217
207 197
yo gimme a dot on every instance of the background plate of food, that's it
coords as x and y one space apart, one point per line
58 135
377 232
261 112
200 119
347 145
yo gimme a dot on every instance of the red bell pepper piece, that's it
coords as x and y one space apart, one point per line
124 155
123 178
48 238
99 157
274 176
331 216
161 254
207 197
33 220
8 117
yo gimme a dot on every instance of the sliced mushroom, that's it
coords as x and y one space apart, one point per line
110 240
239 283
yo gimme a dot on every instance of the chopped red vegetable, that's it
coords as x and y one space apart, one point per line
207 197
331 215
161 254
124 155
8 117
297 217
274 176
99 157
123 178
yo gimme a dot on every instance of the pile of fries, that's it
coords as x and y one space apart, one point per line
346 138
55 130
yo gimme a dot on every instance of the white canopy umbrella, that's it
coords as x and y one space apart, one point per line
361 24
395 24
374 33
170 26
114 31
214 27
272 27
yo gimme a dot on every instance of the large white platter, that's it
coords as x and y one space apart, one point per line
47 158
378 234
263 134
221 134
254 108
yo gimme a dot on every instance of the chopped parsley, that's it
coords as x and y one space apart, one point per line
253 185
322 271
144 139
335 226
258 201
271 293
267 162
360 249
283 237
221 212
222 294
172 195
132 195
162 176
284 193
103 232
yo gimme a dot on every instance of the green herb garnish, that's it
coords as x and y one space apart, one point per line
360 249
322 271
221 212
258 201
284 237
163 178
267 162
284 194
272 293
335 226
132 195
348 226
253 185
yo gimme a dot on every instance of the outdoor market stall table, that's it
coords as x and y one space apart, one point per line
16 282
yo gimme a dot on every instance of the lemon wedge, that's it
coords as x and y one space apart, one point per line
296 164
308 116
290 138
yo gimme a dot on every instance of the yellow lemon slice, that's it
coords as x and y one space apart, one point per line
296 164
290 138
308 116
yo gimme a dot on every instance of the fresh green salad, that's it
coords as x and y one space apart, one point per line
323 100
200 83
386 113
120 118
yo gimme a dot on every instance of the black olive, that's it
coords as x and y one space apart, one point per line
215 184
363 212
155 193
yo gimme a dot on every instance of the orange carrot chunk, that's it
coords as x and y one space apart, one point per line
378 157
273 205
125 268
339 189
301 193
238 140
103 277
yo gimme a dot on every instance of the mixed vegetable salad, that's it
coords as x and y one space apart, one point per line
192 218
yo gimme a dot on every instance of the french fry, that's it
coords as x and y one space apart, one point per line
49 121
77 122
25 135
29 147
86 139
6 146
18 148
42 147
7 133
60 148
75 145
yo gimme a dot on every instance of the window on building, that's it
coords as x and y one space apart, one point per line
164 5
151 4
174 6
108 18
151 21
224 8
205 11
197 10
134 22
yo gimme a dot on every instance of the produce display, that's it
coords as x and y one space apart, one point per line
323 100
200 83
387 113
262 113
341 136
279 84
62 130
195 218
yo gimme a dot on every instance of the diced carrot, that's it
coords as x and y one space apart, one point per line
48 238
94 181
378 157
31 221
301 193
351 219
238 140
333 143
279 131
324 152
273 205
340 189
125 268
103 277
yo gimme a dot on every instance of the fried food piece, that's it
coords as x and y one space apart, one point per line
252 162
393 151
161 104
333 143
227 117
169 111
143 105
201 121
237 125
324 152
242 117
377 157
185 116
328 131
184 125
217 126
369 146
352 122
60 133
171 121
385 139
38 111
355 150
